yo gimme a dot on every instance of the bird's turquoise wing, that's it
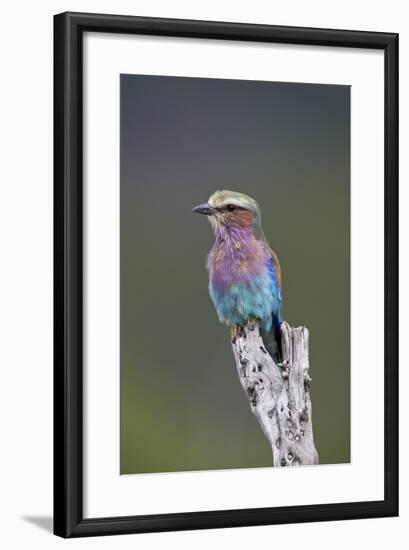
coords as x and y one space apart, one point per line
272 337
275 278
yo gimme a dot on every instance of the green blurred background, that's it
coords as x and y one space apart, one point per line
288 146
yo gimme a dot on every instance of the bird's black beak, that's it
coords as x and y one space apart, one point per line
203 209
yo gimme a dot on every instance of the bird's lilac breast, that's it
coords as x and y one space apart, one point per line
239 281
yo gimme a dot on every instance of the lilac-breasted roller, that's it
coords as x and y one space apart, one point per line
244 272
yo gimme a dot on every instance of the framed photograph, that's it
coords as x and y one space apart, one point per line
226 274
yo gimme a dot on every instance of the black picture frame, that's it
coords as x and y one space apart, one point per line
68 274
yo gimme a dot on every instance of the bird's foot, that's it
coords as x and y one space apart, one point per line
252 322
235 332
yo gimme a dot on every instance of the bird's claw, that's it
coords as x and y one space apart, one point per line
235 332
252 323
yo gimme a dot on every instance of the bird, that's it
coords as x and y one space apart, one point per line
244 271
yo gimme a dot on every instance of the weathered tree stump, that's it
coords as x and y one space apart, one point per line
279 394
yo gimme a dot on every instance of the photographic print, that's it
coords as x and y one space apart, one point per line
210 309
225 278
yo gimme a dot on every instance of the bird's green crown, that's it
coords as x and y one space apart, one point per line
224 198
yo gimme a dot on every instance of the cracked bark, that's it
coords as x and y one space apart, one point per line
279 395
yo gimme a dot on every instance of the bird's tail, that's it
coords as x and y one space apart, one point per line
272 339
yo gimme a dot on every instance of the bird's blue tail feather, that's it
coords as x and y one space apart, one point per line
272 339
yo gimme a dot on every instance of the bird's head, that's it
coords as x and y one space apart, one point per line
230 209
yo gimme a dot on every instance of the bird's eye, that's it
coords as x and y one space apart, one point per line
230 207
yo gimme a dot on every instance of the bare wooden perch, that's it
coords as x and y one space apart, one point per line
279 394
